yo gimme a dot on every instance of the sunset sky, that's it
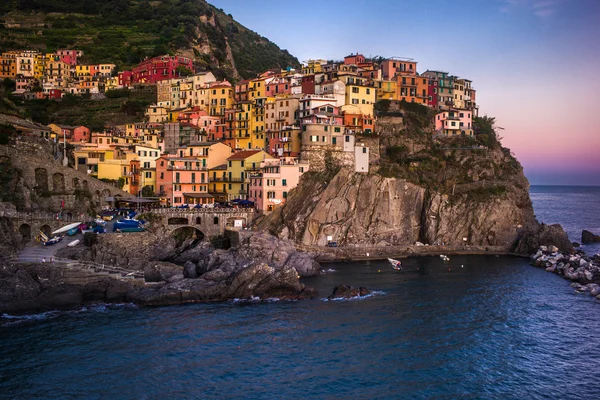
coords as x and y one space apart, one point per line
535 63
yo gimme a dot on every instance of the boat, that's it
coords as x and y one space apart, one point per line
396 264
130 229
66 228
100 221
53 240
444 257
73 231
74 243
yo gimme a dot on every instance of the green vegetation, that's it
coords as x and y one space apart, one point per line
120 107
7 133
460 164
125 32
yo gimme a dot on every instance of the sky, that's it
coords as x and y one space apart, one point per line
535 63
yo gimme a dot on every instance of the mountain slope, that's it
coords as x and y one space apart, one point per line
126 31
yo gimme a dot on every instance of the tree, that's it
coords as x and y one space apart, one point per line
182 71
147 191
486 131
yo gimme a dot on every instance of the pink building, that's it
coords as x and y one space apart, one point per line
454 122
182 180
69 56
270 187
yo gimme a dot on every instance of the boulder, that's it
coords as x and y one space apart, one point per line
542 237
161 271
588 237
189 270
347 292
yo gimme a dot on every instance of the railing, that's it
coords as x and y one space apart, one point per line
224 179
183 168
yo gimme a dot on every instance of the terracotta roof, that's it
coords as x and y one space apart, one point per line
242 155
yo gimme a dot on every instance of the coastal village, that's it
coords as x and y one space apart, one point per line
207 142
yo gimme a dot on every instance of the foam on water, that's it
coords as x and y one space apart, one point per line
357 297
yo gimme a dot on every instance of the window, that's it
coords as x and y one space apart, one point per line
230 163
162 175
284 182
354 101
216 220
285 195
148 174
242 163
337 130
364 150
347 139
333 140
461 115
354 90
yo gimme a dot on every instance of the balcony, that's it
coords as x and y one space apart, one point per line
185 168
224 179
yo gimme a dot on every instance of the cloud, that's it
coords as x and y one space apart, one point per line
539 8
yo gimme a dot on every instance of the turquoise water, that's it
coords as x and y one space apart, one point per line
475 327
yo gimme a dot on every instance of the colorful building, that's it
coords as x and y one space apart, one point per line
269 187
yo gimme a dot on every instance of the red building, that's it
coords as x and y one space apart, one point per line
308 84
160 68
125 78
354 59
55 94
432 93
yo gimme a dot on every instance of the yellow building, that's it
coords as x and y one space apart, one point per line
8 65
238 167
257 127
220 97
87 158
242 117
257 89
362 97
313 67
386 90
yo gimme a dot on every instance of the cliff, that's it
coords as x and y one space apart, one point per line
456 193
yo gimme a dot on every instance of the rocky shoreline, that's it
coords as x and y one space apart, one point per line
582 270
259 267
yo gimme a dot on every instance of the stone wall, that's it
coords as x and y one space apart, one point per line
54 183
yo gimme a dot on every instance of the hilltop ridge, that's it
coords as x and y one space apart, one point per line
124 32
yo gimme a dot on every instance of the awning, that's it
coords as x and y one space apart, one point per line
198 195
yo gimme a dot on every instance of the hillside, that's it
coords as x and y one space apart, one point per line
126 31
438 191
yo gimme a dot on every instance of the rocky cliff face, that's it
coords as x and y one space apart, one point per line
434 195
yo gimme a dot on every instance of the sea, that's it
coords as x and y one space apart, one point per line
474 327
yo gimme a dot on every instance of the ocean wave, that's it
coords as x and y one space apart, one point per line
358 297
8 319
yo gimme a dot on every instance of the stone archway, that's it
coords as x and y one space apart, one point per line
25 232
76 184
177 221
41 179
58 183
46 230
187 234
86 186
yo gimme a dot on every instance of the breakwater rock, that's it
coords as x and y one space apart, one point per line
582 270
348 292
588 237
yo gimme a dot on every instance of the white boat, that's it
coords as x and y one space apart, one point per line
66 228
396 264
444 257
74 243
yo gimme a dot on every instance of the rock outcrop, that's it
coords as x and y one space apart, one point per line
582 270
348 292
588 237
